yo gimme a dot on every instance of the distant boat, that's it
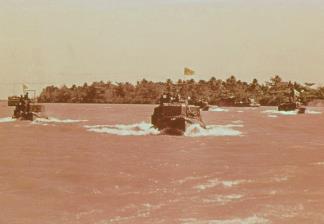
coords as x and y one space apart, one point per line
26 108
292 106
294 103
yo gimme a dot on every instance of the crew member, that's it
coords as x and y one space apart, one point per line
26 96
28 106
162 99
177 98
168 97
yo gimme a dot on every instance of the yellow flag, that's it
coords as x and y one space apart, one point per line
188 71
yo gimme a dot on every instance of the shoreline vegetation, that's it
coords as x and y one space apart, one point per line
215 91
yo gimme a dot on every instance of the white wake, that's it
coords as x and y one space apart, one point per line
216 182
212 130
312 112
217 109
55 120
273 113
7 119
145 128
142 128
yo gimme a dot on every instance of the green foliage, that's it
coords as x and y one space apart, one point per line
214 91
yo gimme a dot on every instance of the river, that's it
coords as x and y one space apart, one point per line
102 164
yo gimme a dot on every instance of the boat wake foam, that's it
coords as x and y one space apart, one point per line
237 122
55 120
217 109
272 113
212 130
216 182
222 199
7 119
142 128
313 112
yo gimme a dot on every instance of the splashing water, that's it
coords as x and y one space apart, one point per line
144 128
218 109
312 112
222 199
7 119
124 130
55 120
293 112
216 182
212 130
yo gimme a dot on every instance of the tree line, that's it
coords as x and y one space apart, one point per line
214 91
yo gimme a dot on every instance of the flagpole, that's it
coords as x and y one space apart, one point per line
187 72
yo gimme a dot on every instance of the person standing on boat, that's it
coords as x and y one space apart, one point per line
163 99
168 97
292 92
28 106
26 96
22 104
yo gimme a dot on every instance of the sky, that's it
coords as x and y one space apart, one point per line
44 42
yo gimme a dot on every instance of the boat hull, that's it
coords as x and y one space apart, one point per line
175 126
174 119
24 116
292 107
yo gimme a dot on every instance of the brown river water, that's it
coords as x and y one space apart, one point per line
102 164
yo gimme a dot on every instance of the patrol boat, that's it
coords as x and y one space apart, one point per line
292 106
293 103
175 117
26 108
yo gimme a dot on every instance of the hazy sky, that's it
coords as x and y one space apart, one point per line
72 41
